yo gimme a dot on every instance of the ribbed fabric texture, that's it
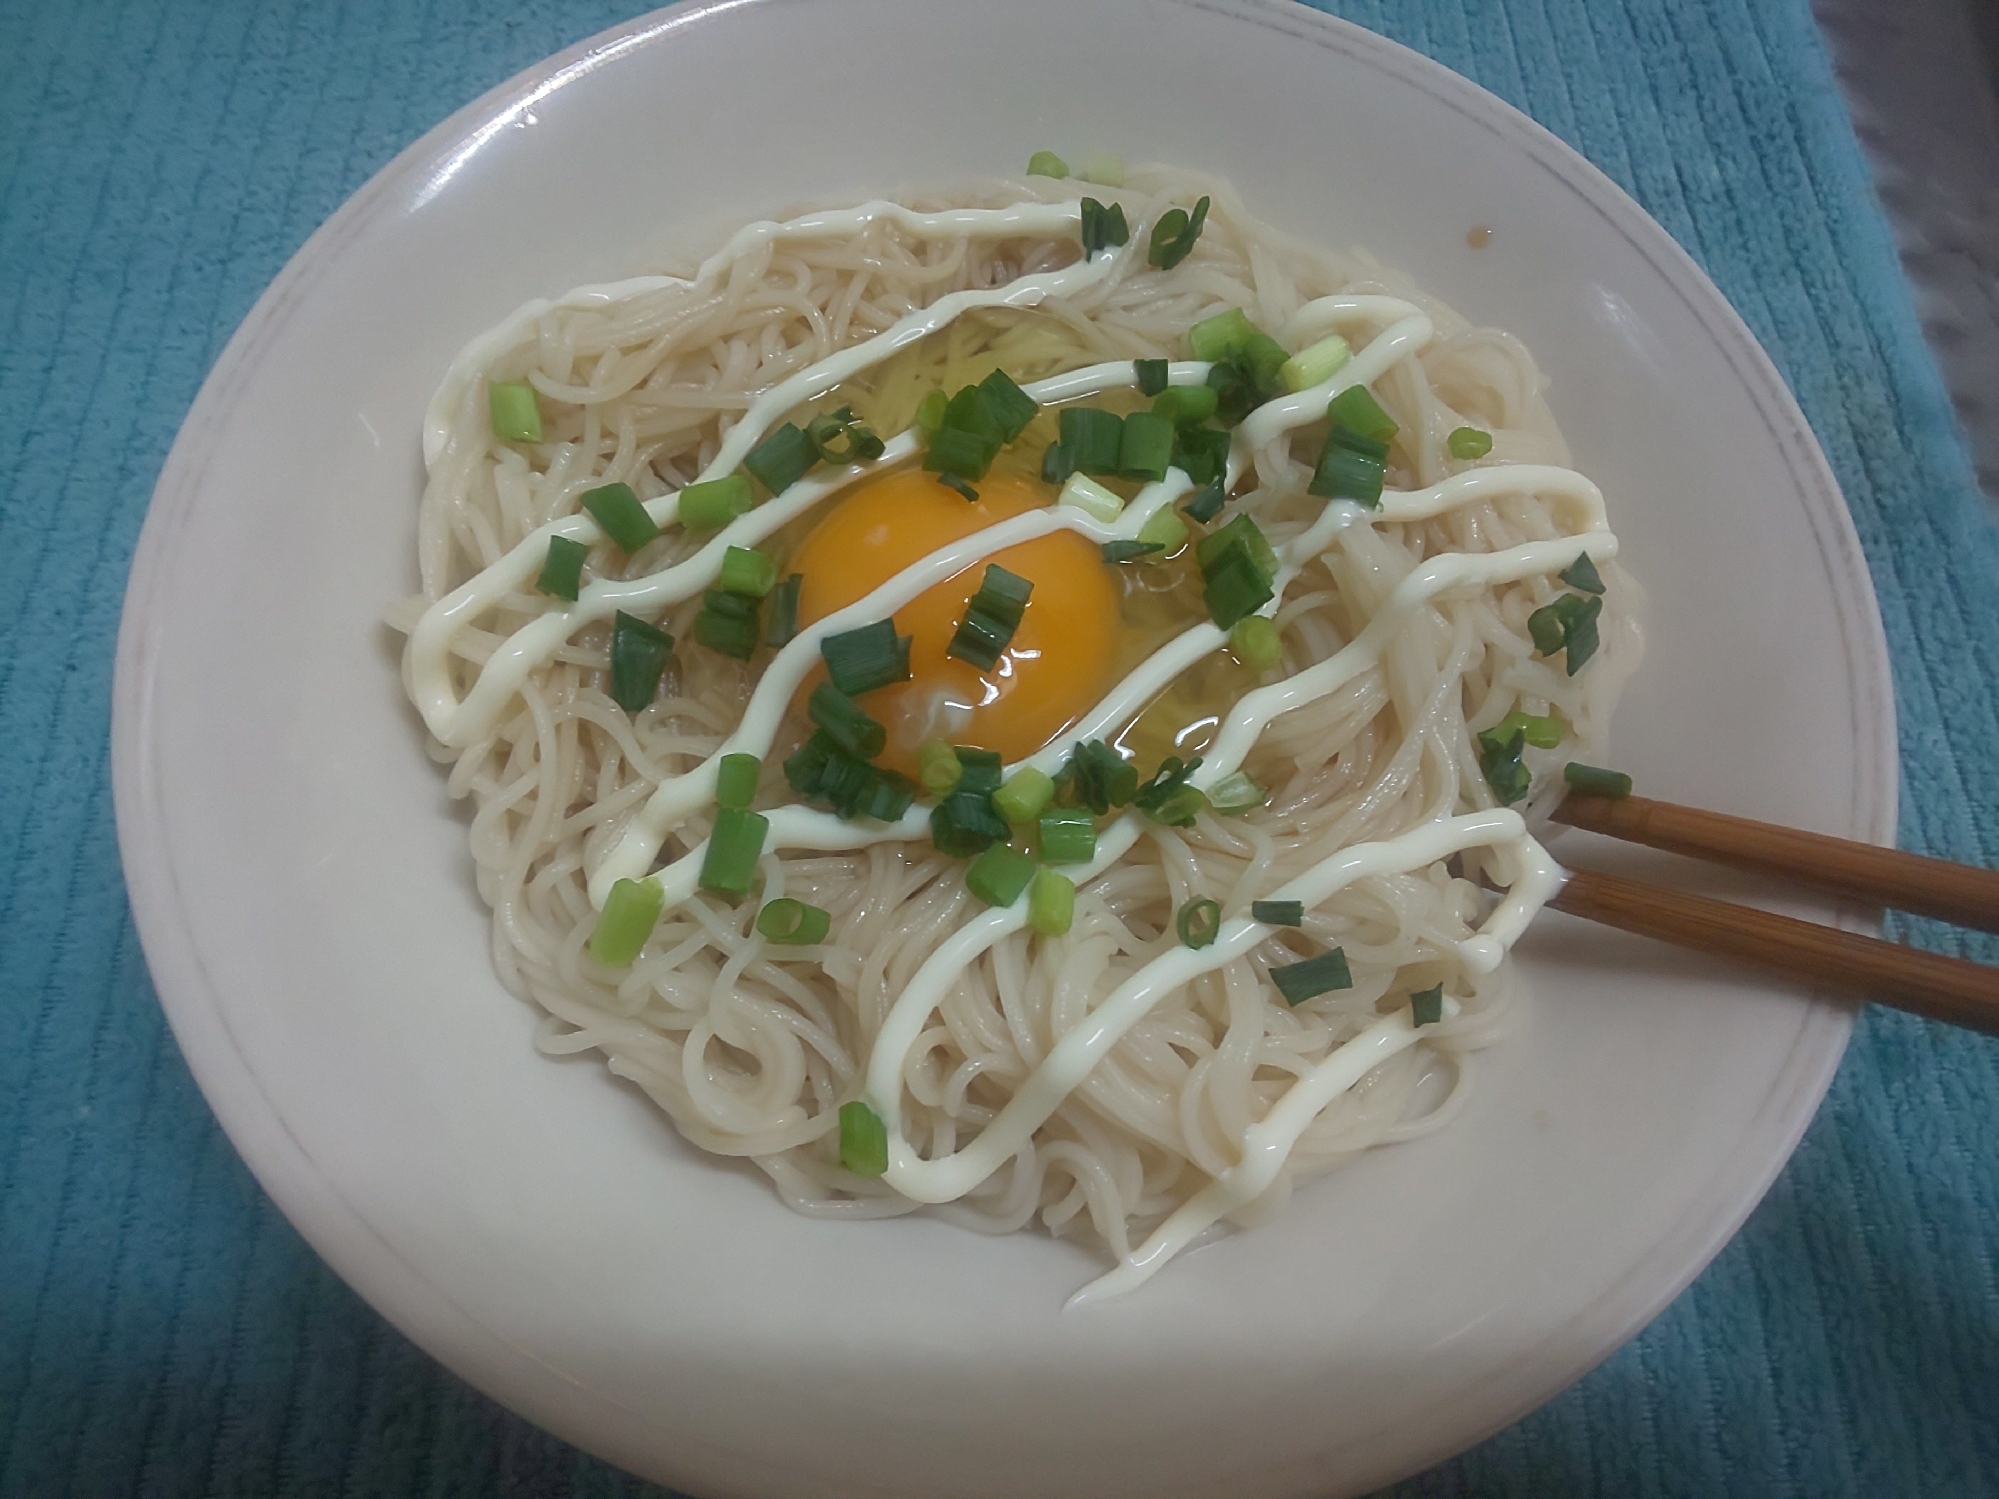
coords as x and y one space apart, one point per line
164 1332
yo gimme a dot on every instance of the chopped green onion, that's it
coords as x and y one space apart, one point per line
1202 453
1174 236
1298 982
1499 761
863 1140
1051 903
1102 227
839 437
1315 365
823 773
638 655
1023 796
805 767
562 573
1066 835
1614 784
1344 474
1091 439
1235 588
963 490
736 780
1146 446
1221 336
1356 409
1236 792
991 617
964 823
515 414
930 413
1582 575
711 506
1467 443
889 795
937 767
733 850
1090 497
1098 776
793 922
861 660
630 913
1426 1006
1256 643
1240 535
1235 395
1567 624
1009 406
978 770
1179 807
1151 375
846 722
1115 552
728 624
1046 164
1206 504
1104 169
1056 464
1278 912
782 459
1543 732
748 572
624 519
1263 359
1185 405
1199 922
783 622
999 875
1161 794
1163 529
958 454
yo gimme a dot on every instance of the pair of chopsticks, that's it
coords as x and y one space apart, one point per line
1888 973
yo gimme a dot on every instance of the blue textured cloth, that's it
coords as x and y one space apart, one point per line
163 1331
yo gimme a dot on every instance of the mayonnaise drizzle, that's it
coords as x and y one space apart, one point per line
1405 330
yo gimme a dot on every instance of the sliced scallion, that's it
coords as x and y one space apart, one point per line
1255 642
1051 903
1202 453
1046 164
783 621
991 617
1569 624
999 875
1102 227
1278 912
1090 497
733 850
1543 731
748 572
1151 375
1467 443
728 624
513 410
1262 360
1235 588
1221 336
1356 409
1066 835
937 767
639 653
1199 922
1298 982
1236 792
839 437
1343 473
1163 529
978 770
1593 779
1091 439
1206 504
861 660
1499 761
736 780
1010 407
846 722
1115 552
1315 364
793 923
1098 777
782 459
712 505
1582 575
1426 1006
630 913
1185 405
1106 169
1175 234
930 413
957 454
562 572
617 509
964 823
1024 794
1167 798
863 1140
1145 448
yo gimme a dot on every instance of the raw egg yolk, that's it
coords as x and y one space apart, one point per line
1057 665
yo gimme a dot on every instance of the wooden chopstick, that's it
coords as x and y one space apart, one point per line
1941 988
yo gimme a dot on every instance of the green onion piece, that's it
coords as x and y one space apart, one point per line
1202 453
1240 535
1066 835
804 769
1582 575
515 414
1236 792
630 913
728 624
1046 164
937 767
1179 807
963 490
736 780
826 775
863 1140
1221 336
1010 406
793 922
1091 439
1262 359
889 795
991 617
846 722
711 506
1151 375
1199 922
782 459
1298 982
964 823
733 850
838 437
1545 626
1467 443
861 660
1543 732
978 770
638 655
930 413
1051 903
1278 912
1426 1006
1499 760
1023 796
1167 798
618 511
748 572
1315 365
1146 446
1056 464
1343 474
1255 642
1115 552
783 622
1174 236
1235 589
1102 227
1106 169
1090 497
1567 624
1356 409
999 875
1098 777
1235 394
960 454
1163 529
562 573
1614 784
1206 504
1185 405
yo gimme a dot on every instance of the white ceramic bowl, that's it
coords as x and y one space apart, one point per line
304 891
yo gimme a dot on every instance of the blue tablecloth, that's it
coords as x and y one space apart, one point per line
163 1330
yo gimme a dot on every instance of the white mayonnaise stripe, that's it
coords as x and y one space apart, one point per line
478 356
1084 1045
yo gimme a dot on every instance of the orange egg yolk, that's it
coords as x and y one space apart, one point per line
1059 662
